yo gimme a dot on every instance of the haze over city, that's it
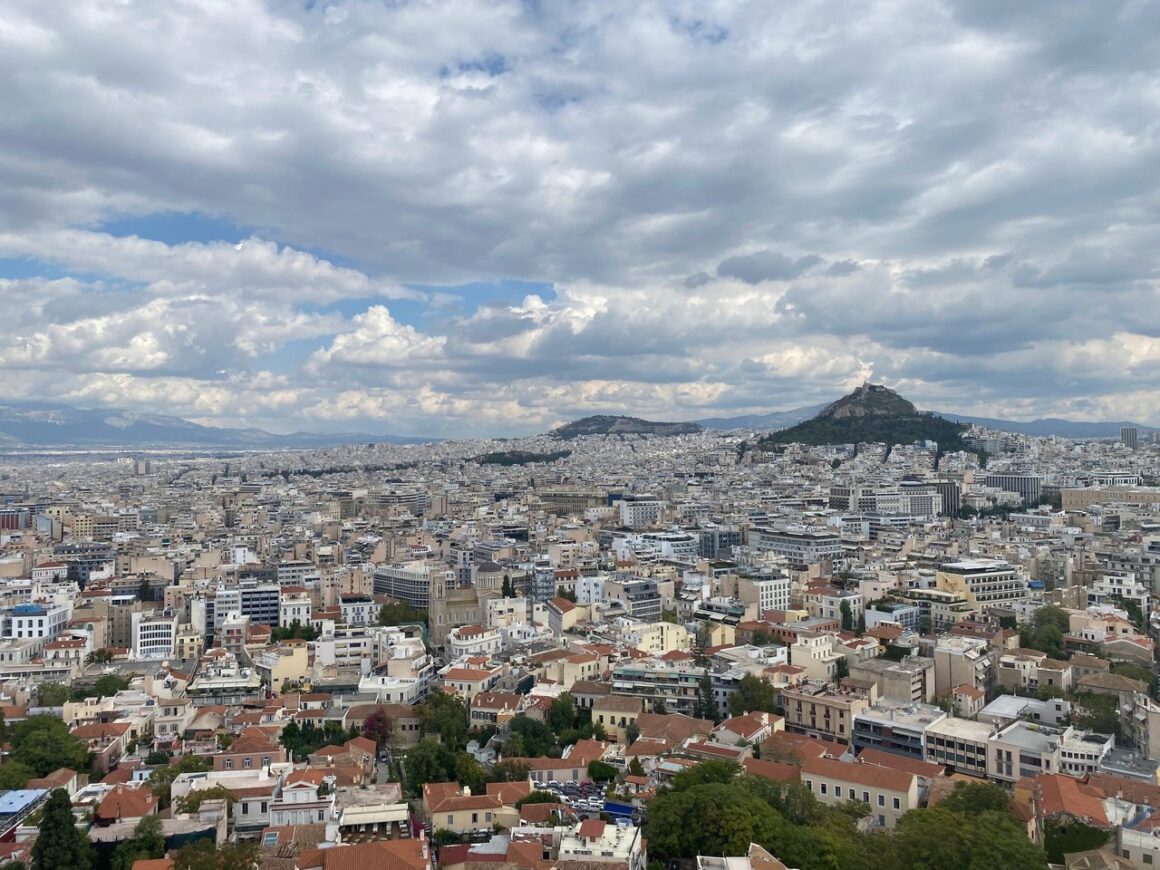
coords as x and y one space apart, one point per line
489 218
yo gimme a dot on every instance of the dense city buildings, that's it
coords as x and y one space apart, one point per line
870 628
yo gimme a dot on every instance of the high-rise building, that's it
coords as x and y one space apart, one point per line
1129 436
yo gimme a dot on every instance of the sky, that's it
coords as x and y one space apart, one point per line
465 219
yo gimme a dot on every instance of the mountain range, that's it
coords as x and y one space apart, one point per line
33 424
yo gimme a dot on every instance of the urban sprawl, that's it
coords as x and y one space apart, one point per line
663 652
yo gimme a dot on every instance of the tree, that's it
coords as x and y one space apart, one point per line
160 781
753 694
1046 631
444 716
847 615
202 855
148 841
192 802
761 637
510 771
294 631
156 757
632 732
707 772
44 744
378 727
975 797
635 768
1061 839
841 669
941 839
727 821
144 590
1096 712
60 843
568 595
469 772
398 613
99 656
15 775
601 771
105 687
509 589
52 694
706 706
537 738
429 761
539 797
562 714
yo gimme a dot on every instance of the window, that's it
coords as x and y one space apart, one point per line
897 804
823 788
474 818
320 815
837 791
265 807
229 764
245 808
881 800
865 797
450 820
247 762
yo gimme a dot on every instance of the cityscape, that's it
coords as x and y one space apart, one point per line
514 435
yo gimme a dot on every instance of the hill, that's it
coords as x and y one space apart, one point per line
602 424
33 424
869 414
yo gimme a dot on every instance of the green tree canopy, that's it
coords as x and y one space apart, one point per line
44 744
15 775
203 855
975 797
105 686
539 797
60 843
753 694
53 694
601 771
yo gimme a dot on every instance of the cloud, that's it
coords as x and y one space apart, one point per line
738 207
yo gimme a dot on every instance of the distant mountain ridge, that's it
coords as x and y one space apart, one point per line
872 413
1041 427
32 424
1046 426
604 424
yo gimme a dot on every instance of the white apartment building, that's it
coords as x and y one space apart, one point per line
982 582
37 622
473 640
640 512
590 590
800 547
358 610
294 605
154 635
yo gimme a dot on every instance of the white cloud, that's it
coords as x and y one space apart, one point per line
739 206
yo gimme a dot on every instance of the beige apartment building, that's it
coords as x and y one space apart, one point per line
890 793
824 713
